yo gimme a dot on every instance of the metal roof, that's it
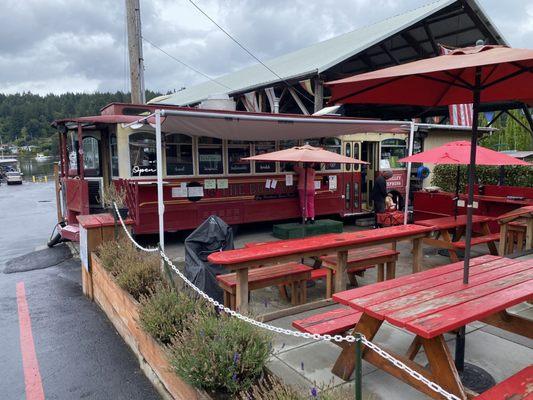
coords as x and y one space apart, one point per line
316 58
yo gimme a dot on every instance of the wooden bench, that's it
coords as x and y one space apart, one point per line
477 240
329 323
361 259
516 234
293 274
316 274
517 387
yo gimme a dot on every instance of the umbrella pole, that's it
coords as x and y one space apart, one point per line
457 189
471 174
304 208
461 339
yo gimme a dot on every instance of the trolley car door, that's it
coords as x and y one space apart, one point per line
352 192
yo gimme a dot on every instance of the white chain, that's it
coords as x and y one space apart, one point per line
400 365
147 249
305 335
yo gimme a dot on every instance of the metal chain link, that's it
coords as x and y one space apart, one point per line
400 365
305 335
147 249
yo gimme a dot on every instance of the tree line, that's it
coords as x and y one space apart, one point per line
25 118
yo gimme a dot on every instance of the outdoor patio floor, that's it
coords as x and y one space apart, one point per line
307 364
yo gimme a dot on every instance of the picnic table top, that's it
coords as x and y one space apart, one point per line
453 222
436 301
328 242
514 214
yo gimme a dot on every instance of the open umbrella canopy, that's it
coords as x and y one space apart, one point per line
506 74
459 153
305 153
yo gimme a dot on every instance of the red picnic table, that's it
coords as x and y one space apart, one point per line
452 243
240 260
431 303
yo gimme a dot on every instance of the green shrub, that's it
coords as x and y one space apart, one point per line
114 254
135 272
273 389
140 275
220 353
163 313
444 176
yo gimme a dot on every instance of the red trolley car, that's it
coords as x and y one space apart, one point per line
204 175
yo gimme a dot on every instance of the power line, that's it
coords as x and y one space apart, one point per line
185 64
247 51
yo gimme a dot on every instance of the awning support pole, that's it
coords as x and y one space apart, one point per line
160 199
408 178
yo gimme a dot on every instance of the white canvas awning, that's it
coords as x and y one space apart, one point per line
258 127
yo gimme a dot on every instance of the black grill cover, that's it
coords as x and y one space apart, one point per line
211 236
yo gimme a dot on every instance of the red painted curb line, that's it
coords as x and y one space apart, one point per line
32 376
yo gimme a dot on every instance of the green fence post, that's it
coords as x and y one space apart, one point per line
358 368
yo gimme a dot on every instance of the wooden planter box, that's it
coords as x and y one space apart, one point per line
123 312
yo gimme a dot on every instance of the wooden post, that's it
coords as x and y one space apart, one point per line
503 238
340 273
242 290
133 22
417 255
319 94
529 233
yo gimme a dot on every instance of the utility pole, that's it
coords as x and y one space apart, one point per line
135 51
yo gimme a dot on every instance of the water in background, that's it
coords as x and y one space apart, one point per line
29 166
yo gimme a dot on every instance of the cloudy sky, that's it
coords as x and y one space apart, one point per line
79 45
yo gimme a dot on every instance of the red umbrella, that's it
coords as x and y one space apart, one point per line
504 74
305 154
459 153
466 75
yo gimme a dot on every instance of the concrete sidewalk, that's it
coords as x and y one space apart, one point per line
307 364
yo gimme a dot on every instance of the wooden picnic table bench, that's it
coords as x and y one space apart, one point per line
431 303
444 240
517 387
240 260
519 221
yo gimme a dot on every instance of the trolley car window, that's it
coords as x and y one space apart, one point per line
142 154
332 144
210 156
262 148
348 153
179 154
91 156
392 150
238 149
287 144
114 154
356 155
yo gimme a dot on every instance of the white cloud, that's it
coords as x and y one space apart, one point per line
61 45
